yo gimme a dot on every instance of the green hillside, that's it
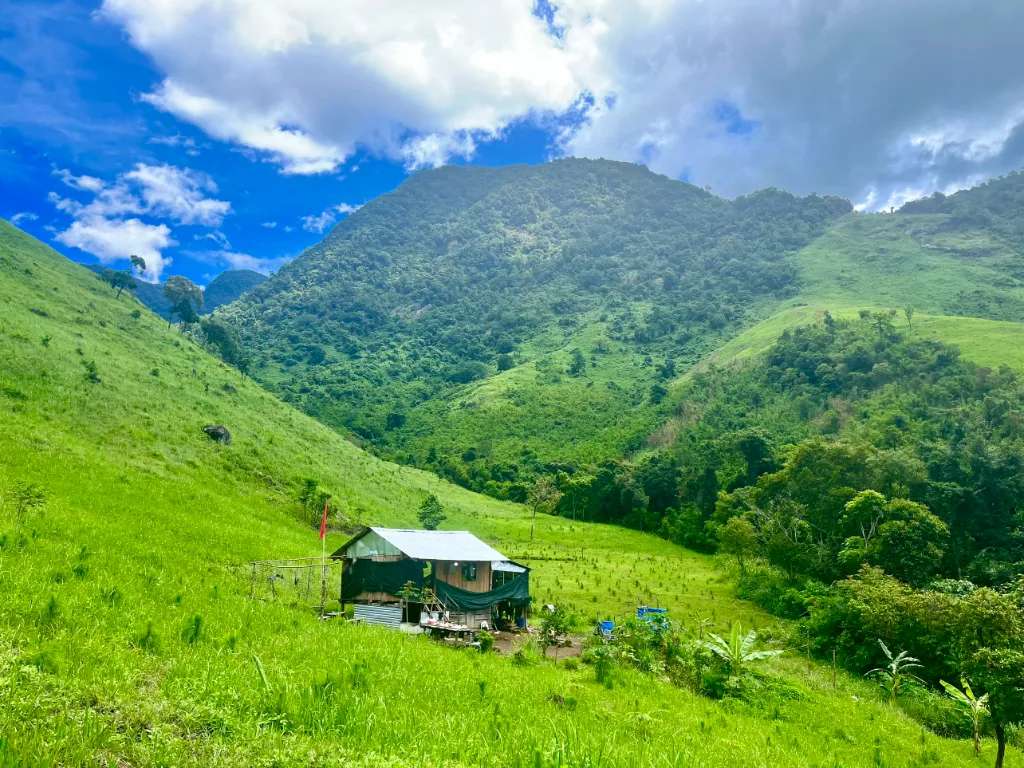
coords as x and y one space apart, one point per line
127 636
228 286
487 323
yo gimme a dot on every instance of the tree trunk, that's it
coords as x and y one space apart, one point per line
1001 745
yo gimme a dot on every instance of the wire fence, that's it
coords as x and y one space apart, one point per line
305 581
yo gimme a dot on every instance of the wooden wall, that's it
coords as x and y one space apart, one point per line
452 574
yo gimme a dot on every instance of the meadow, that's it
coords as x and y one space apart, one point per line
127 636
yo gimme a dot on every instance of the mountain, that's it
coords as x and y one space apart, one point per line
223 289
129 635
498 324
228 286
491 323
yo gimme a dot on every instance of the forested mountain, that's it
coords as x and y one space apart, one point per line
122 531
494 323
223 289
228 286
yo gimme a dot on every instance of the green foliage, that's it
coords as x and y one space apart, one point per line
500 297
169 517
738 651
975 708
223 341
229 286
431 513
896 675
185 298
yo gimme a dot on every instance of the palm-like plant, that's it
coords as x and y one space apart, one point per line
738 650
975 707
894 676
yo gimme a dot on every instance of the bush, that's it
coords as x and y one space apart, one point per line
486 640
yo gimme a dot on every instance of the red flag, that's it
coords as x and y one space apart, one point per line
323 521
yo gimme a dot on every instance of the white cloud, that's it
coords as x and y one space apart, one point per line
179 193
21 216
236 260
307 82
320 222
102 225
269 224
866 98
83 182
854 97
185 143
115 239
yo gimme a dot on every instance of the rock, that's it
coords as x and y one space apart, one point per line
218 432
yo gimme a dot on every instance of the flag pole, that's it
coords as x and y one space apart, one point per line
323 556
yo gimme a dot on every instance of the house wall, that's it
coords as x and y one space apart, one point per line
452 574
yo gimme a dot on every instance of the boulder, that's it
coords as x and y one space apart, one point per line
218 432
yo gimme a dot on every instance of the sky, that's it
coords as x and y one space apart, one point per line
205 135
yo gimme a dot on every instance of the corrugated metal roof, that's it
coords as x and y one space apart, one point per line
508 566
439 545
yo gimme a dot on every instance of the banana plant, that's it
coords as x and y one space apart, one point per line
895 676
975 707
738 650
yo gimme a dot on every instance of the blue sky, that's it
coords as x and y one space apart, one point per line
206 134
78 81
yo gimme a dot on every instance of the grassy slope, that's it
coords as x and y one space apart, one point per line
890 262
147 522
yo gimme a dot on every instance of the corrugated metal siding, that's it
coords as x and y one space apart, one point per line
384 615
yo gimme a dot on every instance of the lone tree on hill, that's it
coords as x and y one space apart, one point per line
431 513
185 297
119 280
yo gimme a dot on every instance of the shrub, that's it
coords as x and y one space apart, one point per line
486 640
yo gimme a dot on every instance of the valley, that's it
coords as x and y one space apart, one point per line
128 630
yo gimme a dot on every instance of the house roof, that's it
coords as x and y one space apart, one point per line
433 545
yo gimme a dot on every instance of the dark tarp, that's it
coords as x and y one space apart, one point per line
388 576
515 590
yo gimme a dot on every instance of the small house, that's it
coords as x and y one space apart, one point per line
393 574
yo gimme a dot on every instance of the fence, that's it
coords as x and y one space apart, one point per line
305 581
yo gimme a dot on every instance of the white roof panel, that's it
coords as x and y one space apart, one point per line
439 545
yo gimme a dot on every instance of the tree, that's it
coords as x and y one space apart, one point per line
895 675
138 263
739 539
225 342
578 364
119 280
544 496
185 297
1000 673
738 651
908 312
505 362
975 707
431 513
911 543
555 627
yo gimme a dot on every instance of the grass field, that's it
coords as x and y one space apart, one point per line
127 637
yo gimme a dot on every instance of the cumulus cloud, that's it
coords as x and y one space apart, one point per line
870 99
108 226
115 239
874 100
306 83
320 222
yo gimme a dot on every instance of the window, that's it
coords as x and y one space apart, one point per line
469 572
